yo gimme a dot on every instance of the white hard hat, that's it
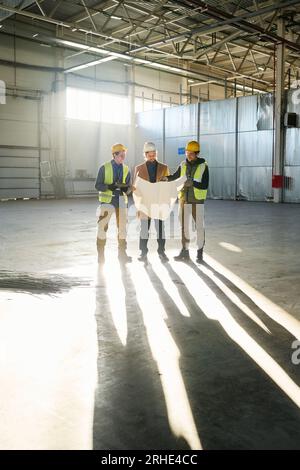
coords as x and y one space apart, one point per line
149 147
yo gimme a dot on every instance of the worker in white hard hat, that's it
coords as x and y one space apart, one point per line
151 170
113 183
192 198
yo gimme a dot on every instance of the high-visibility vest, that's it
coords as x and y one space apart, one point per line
199 194
106 196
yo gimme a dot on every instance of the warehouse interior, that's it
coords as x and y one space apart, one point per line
165 355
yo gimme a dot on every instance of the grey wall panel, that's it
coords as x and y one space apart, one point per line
293 102
292 147
21 183
293 195
255 183
255 165
18 193
173 159
18 123
265 105
217 117
181 120
19 152
255 148
149 124
82 187
18 172
247 113
19 133
218 150
221 183
19 110
11 162
46 188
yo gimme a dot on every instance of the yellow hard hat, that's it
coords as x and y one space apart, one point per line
118 148
192 146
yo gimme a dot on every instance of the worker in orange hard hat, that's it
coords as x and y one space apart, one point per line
113 183
191 198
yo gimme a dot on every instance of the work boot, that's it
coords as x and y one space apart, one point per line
184 255
124 258
143 257
199 258
163 256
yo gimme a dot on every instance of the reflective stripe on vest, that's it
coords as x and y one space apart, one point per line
199 194
106 196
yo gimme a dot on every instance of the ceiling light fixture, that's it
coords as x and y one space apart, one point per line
89 64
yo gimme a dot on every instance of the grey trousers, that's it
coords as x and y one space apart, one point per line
191 217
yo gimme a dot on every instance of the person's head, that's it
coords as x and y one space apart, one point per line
192 150
119 153
150 151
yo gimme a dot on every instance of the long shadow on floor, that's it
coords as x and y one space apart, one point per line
130 411
277 343
235 404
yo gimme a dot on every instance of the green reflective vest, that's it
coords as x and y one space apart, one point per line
106 196
199 194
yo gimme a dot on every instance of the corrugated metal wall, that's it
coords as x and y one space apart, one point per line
19 149
180 126
217 131
292 149
237 139
255 147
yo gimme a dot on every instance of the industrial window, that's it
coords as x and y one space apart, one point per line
95 106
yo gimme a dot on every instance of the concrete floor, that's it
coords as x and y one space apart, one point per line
170 356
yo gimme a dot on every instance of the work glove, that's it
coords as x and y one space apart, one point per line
188 183
121 185
128 190
112 187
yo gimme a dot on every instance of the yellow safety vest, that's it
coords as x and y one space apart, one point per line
199 194
106 196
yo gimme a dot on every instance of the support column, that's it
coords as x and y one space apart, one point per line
279 97
132 157
58 144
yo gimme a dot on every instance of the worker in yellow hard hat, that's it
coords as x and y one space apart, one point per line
113 183
191 198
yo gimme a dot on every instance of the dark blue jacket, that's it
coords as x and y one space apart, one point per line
117 178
